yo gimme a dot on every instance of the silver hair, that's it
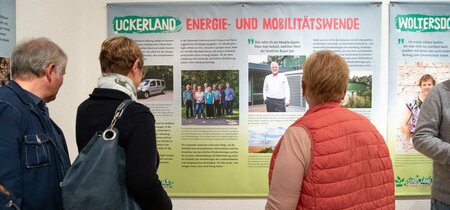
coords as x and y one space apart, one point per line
32 56
273 62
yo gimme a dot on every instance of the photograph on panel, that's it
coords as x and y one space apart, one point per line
264 139
210 97
274 83
156 84
416 79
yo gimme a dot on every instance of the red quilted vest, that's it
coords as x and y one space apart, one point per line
350 167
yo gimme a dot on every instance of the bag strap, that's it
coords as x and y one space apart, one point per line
119 111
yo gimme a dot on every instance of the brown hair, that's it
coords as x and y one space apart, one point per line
326 75
118 55
427 77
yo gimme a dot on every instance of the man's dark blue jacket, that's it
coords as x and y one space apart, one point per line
33 152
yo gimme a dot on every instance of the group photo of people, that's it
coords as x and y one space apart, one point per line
210 97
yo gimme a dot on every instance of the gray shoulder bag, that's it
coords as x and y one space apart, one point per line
96 180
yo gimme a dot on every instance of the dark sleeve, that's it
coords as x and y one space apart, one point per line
427 136
10 143
142 163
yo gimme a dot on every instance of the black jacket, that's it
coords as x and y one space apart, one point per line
137 137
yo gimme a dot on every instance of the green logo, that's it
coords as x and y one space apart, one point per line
142 25
422 23
413 181
167 183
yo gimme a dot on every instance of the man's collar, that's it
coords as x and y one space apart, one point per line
26 96
36 100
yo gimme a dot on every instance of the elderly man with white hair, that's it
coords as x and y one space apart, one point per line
276 91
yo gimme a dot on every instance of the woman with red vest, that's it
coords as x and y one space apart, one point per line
331 158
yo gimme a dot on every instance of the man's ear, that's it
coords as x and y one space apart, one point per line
49 70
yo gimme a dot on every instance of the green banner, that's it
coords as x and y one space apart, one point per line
142 25
422 23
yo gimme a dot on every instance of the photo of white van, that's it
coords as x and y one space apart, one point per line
149 87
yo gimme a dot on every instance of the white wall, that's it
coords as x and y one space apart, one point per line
79 27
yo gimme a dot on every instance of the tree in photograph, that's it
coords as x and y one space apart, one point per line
159 72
